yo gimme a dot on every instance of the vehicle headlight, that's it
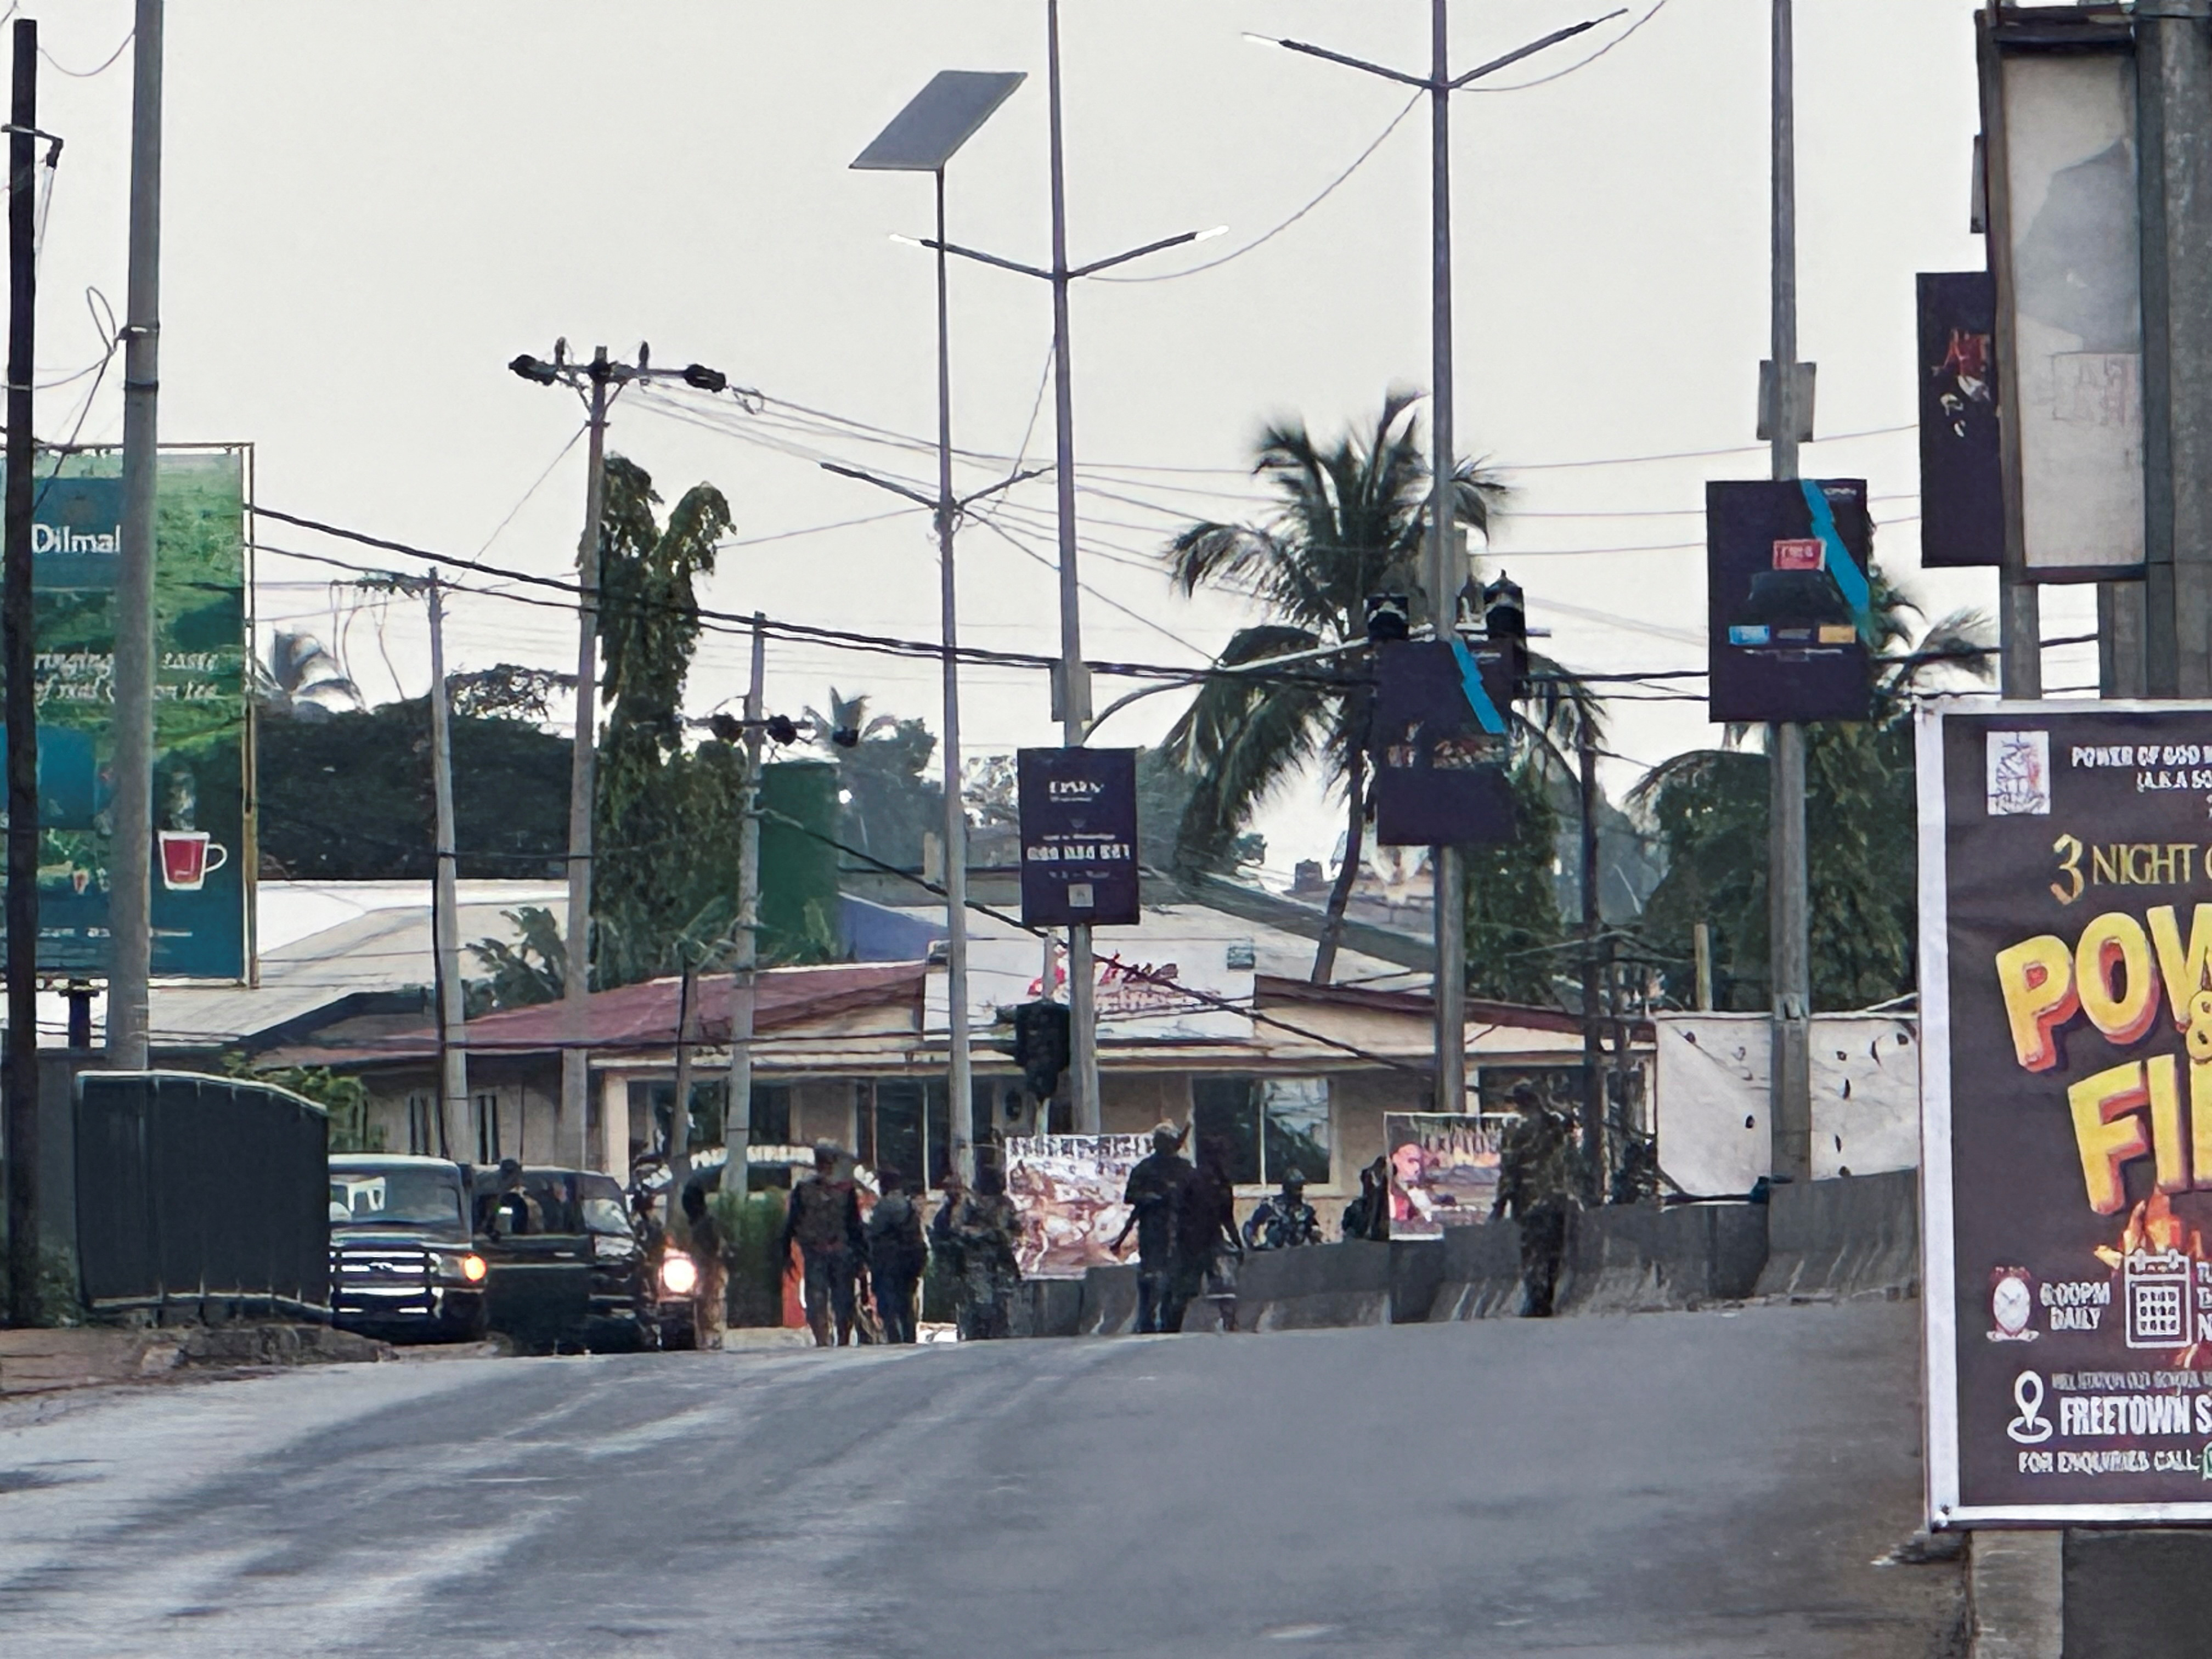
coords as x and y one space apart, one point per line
679 1275
473 1269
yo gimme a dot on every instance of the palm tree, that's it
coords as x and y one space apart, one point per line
1349 521
1708 810
302 679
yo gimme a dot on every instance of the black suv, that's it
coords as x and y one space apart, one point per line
404 1264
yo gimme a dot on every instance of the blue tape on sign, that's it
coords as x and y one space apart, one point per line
1849 577
1470 678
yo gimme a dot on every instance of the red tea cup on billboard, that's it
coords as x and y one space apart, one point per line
188 858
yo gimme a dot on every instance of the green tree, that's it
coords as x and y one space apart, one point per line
1708 810
886 805
345 1099
1350 520
532 969
1512 903
667 816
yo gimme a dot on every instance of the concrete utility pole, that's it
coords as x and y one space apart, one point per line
599 382
1789 945
737 1106
130 875
444 905
1593 924
1444 570
18 648
2174 177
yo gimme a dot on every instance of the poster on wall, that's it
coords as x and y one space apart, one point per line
2066 976
1444 1170
202 867
2059 106
1067 1191
1789 605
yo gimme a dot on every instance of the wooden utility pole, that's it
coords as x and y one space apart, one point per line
737 1104
18 648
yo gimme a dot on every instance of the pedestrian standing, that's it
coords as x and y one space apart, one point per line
989 1230
824 1220
1154 1191
1284 1219
703 1241
1536 1187
896 1255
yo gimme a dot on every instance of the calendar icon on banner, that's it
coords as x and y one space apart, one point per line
2161 1294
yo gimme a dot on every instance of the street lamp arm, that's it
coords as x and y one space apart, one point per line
1387 73
1533 47
1096 265
985 258
896 488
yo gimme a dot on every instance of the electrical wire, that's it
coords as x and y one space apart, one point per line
1658 6
1267 236
61 68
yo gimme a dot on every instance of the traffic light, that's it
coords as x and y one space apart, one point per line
1041 1045
1389 617
1505 622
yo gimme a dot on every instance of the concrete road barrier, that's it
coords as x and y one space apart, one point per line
1313 1287
1048 1307
1852 1236
1108 1305
1479 1273
1417 1272
1640 1258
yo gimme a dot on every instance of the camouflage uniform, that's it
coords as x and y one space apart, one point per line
1282 1221
1536 1184
987 1229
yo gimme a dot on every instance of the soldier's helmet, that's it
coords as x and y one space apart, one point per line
1294 1180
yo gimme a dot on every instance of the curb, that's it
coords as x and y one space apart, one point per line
2015 1591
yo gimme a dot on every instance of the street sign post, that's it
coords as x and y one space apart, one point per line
1078 827
2066 1181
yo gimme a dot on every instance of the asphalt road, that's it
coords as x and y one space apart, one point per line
1708 1484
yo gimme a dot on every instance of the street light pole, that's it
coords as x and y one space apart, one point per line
1444 862
1788 948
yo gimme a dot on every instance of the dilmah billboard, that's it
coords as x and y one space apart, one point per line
2066 980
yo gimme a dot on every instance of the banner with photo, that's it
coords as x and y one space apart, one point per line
1444 1170
2066 979
203 855
1068 1190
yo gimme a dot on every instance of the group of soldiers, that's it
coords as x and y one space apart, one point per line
971 1238
1188 1244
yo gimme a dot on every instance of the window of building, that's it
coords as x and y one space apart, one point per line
486 1112
902 1123
1270 1125
422 1125
770 1118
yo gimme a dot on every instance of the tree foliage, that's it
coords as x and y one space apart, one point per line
506 691
887 806
1512 903
1708 809
533 969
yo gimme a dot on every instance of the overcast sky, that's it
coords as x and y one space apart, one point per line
370 209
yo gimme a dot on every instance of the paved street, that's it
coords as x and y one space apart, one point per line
1675 1485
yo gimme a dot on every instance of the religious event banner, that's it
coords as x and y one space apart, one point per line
1079 830
1962 514
2066 981
1067 1191
1789 599
1444 1170
201 867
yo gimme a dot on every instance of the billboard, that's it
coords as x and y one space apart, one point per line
1079 813
2064 223
1444 1170
1067 1191
1155 988
1962 518
2066 980
1788 607
1440 741
204 845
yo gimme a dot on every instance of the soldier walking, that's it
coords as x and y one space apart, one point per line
1536 1187
823 1220
987 1229
896 1255
1154 1192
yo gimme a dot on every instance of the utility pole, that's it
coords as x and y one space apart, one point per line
599 382
1789 945
679 1113
737 1108
1593 1038
130 889
18 646
444 907
959 1076
1074 677
1444 862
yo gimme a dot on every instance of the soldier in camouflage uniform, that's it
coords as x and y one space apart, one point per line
1536 1186
986 1230
1284 1219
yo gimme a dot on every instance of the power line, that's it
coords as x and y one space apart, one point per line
1658 6
61 68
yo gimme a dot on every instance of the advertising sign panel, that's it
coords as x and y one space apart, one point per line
1961 467
1440 742
1079 813
1152 988
2064 221
2066 979
1067 1191
202 868
1788 603
1444 1170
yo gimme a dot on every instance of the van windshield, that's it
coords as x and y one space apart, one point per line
394 1198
